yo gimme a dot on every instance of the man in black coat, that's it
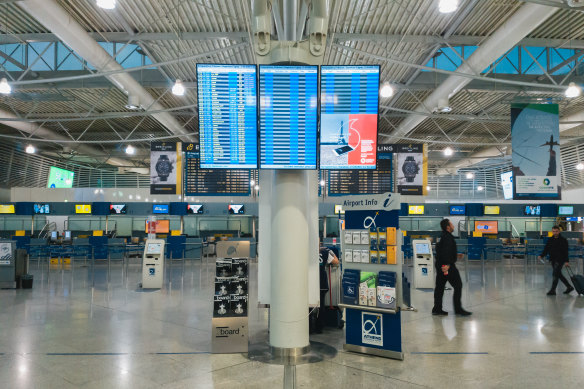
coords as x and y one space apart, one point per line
557 248
446 270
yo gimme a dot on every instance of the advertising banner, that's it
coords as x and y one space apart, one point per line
165 168
535 139
412 169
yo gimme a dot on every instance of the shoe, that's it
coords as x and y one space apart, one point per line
569 290
439 313
462 312
551 293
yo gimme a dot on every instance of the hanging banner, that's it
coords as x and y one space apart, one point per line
412 168
535 139
165 168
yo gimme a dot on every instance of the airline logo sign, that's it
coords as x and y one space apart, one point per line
372 329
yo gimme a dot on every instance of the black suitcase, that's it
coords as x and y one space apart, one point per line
577 280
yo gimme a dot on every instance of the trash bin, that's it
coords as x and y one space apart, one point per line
26 281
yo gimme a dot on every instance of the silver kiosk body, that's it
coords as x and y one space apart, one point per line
153 264
423 264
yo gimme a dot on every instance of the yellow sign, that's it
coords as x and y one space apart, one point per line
82 208
6 208
19 233
477 234
416 210
492 210
175 233
339 209
405 233
97 233
550 234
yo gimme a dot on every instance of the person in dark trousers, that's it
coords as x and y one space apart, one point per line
446 271
557 248
326 257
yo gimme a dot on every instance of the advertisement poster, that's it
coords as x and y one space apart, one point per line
535 139
412 169
5 253
165 168
372 329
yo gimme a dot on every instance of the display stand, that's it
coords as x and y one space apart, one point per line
153 264
372 278
423 264
230 303
7 264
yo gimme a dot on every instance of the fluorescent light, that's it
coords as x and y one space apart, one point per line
448 151
321 182
572 91
178 88
428 187
447 6
470 175
30 149
5 88
580 166
106 4
257 187
480 188
252 182
386 90
130 150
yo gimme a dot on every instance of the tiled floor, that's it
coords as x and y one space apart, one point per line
517 337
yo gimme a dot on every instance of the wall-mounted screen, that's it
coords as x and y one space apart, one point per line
339 209
532 210
118 209
60 178
236 209
162 227
82 208
565 210
288 116
54 236
44 209
159 208
491 210
349 105
227 116
194 208
573 219
415 210
487 226
7 208
507 184
422 248
457 209
67 236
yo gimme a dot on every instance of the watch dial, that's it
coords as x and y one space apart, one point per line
163 167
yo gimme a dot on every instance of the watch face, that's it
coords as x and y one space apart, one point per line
164 168
410 169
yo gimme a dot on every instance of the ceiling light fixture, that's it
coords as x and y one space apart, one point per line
572 91
106 4
321 182
252 182
480 188
428 187
447 6
470 175
444 106
257 187
386 90
30 149
130 150
448 151
5 88
580 166
178 88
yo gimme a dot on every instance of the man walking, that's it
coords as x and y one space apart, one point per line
446 270
557 248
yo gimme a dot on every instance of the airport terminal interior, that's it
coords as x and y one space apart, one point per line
253 193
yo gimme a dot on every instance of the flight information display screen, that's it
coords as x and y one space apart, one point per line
288 117
349 105
227 99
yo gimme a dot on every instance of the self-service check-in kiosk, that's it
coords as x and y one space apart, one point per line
153 264
423 264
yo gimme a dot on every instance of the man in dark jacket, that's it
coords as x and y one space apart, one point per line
446 270
557 248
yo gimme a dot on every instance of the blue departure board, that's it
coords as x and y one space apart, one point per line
227 96
288 117
349 101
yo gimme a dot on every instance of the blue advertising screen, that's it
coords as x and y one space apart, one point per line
159 208
457 209
227 116
532 210
349 105
288 117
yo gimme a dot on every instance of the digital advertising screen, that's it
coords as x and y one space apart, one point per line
491 210
415 210
7 208
507 184
227 106
236 209
118 209
60 178
349 106
82 208
288 116
487 226
195 208
565 210
43 209
457 209
159 208
162 227
532 210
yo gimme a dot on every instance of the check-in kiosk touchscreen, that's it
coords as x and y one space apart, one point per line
423 264
154 248
153 264
422 249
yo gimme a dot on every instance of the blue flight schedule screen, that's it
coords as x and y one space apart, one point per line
227 96
288 117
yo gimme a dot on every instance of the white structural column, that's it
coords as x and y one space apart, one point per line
289 261
56 19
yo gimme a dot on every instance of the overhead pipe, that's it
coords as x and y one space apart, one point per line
261 26
56 19
290 19
317 27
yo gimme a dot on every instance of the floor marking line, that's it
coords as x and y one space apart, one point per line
374 373
449 353
185 353
556 352
83 354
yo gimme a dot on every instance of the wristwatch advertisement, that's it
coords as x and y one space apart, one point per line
412 168
165 168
